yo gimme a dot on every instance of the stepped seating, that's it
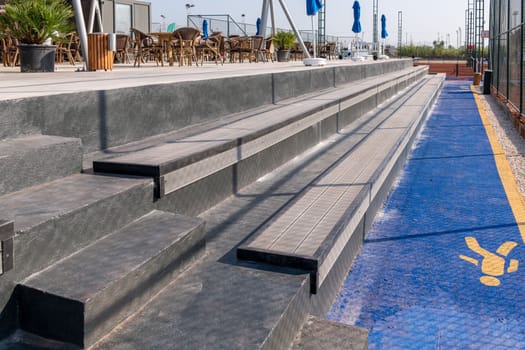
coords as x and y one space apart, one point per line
318 333
66 224
226 303
80 299
177 163
30 160
312 231
55 219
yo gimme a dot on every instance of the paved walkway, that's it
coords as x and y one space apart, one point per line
14 84
440 268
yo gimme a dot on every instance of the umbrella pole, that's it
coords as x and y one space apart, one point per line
313 36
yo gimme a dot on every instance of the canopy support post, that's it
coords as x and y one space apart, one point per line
292 24
264 17
81 30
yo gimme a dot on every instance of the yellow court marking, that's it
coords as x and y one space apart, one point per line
516 201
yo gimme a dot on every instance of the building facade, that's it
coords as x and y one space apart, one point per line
507 50
118 16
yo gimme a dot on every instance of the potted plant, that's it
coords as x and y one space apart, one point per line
284 42
32 23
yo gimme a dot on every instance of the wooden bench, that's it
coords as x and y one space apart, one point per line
312 231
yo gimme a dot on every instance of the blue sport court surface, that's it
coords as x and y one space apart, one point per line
441 265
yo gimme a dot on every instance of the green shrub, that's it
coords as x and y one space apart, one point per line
34 21
284 40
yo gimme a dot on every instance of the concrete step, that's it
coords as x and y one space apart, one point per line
318 333
313 230
56 219
225 303
110 111
31 160
177 163
81 298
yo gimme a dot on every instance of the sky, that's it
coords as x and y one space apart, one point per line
423 21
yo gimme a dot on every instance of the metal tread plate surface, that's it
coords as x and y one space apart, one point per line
313 228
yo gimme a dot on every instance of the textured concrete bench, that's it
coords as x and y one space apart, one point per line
81 298
179 162
312 231
35 159
318 333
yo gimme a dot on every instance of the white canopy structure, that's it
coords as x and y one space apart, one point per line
94 13
268 5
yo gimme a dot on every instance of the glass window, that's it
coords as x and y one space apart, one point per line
515 67
503 64
504 8
494 62
122 18
515 13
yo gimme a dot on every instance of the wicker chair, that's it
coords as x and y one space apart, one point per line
69 49
184 44
268 50
145 47
211 48
10 53
123 43
328 50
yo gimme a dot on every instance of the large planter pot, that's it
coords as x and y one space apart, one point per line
37 58
283 55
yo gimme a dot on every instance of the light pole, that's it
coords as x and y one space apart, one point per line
188 13
163 23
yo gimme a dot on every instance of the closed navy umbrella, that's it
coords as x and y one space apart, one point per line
313 6
356 27
205 29
384 33
258 26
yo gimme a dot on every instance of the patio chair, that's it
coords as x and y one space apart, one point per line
256 47
268 50
69 48
328 50
297 53
10 53
232 47
123 43
210 48
185 44
249 47
145 48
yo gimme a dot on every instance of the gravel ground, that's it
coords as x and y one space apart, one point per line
513 144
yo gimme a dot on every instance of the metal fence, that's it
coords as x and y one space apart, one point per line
506 50
228 26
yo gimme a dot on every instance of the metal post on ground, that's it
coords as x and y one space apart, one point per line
81 30
264 17
292 24
272 13
262 29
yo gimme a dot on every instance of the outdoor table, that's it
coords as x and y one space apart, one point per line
165 39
